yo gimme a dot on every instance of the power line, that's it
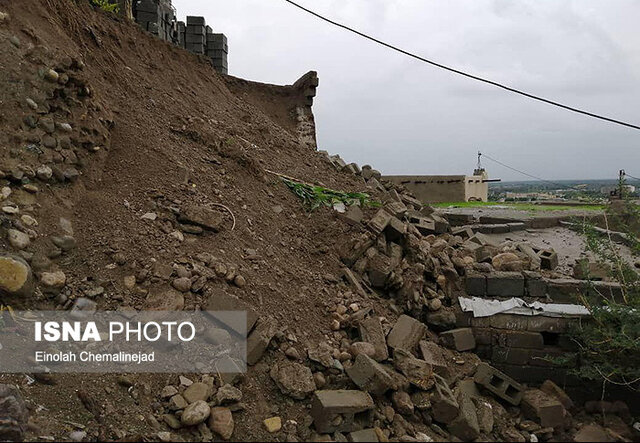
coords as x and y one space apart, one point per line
465 74
529 175
629 175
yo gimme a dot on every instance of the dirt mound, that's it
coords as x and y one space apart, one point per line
133 174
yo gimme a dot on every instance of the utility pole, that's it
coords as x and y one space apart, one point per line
621 175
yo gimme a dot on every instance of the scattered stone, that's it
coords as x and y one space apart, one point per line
182 284
151 216
53 281
15 41
371 376
65 242
273 424
29 221
197 392
293 379
228 394
14 414
507 261
51 75
178 402
221 422
203 217
196 413
168 392
259 340
402 403
19 240
169 300
16 277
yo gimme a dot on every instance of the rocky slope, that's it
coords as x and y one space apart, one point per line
134 176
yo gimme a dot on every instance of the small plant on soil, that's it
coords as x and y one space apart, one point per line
609 342
106 5
315 196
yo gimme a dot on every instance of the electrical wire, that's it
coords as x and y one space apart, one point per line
530 175
629 175
465 74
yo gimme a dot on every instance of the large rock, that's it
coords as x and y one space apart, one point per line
507 261
196 413
53 282
16 277
168 300
221 422
293 379
17 239
203 217
465 426
13 414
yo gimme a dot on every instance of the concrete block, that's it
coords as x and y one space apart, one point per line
221 301
196 20
518 339
444 406
499 384
395 230
353 215
548 259
532 254
396 208
542 408
196 30
505 284
434 355
484 336
535 285
540 323
465 426
512 356
476 284
462 231
351 250
482 239
371 332
379 221
406 333
461 339
509 321
499 229
545 222
370 376
418 372
258 341
518 226
340 410
459 219
151 17
552 389
196 48
192 38
378 269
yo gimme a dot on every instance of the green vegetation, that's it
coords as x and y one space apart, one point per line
520 206
609 343
315 196
106 5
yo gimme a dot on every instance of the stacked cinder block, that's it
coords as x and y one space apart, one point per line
218 50
155 16
196 34
180 37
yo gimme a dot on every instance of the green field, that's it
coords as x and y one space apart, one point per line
520 206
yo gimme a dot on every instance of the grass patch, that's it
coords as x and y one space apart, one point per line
315 196
530 207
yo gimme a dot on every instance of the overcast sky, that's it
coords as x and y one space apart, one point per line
405 117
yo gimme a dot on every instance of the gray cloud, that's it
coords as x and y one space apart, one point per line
375 106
